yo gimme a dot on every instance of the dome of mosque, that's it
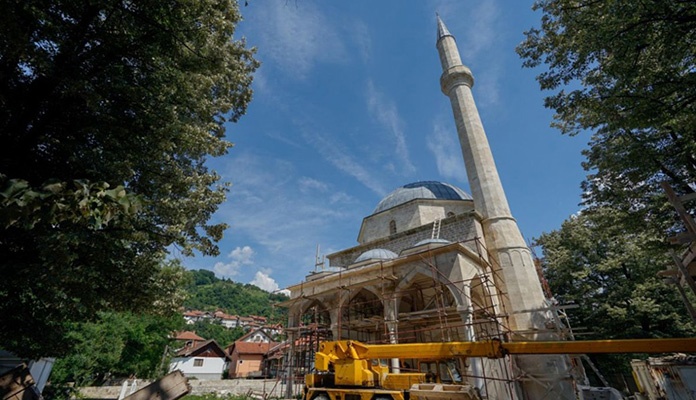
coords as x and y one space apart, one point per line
376 254
421 190
432 241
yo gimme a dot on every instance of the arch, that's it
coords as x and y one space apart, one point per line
362 316
425 272
426 300
428 309
363 304
315 312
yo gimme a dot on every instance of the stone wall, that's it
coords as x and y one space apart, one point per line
463 227
267 388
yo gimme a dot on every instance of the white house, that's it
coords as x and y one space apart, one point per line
205 361
256 336
194 316
227 320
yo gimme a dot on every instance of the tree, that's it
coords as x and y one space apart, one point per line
214 330
611 274
108 112
203 277
116 344
626 71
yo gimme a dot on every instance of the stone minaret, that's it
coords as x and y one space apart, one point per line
525 302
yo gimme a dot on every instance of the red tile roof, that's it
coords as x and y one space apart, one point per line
193 313
251 348
208 348
187 335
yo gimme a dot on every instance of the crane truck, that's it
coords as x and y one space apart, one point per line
351 370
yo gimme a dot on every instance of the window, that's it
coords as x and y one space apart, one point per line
392 227
197 362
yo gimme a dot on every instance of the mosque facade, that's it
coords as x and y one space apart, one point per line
434 263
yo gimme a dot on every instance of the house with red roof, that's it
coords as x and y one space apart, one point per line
207 360
227 320
186 339
247 354
193 316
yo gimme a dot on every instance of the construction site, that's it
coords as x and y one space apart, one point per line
441 298
434 264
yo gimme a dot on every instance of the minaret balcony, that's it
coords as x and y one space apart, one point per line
455 76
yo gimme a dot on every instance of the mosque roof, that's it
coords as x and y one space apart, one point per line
432 241
421 190
376 254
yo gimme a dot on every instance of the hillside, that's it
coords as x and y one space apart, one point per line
209 293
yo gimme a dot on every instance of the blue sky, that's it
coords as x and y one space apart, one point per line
347 107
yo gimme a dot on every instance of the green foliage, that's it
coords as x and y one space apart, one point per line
91 204
233 298
626 71
116 344
120 344
108 111
212 330
203 277
592 261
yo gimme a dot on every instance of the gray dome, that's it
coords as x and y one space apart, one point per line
376 254
421 190
429 241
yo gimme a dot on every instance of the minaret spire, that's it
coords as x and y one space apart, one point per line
441 28
516 275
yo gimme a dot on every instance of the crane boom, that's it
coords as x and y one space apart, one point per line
350 349
344 369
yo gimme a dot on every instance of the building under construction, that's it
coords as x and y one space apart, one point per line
435 264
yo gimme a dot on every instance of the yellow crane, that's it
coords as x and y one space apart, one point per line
348 370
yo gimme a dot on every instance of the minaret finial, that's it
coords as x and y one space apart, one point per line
442 30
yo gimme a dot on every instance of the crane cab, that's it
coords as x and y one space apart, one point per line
441 371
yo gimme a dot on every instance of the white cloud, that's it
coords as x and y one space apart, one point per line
341 197
445 147
265 282
308 185
336 155
361 35
384 110
296 35
282 220
239 256
481 30
260 82
242 255
226 270
488 87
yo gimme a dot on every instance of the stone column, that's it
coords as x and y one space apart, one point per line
467 315
391 320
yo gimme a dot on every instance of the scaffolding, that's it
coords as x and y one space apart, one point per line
424 311
684 269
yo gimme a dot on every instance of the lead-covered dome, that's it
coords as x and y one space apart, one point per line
376 254
421 190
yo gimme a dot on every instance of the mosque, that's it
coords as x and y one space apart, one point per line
434 264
